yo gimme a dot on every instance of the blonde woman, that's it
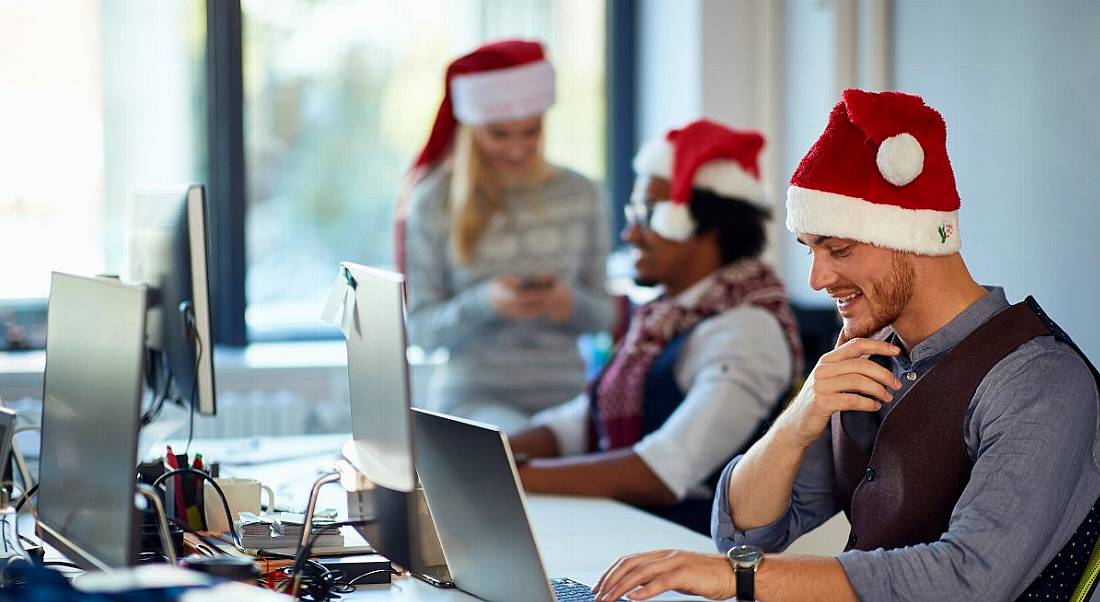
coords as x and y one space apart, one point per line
504 252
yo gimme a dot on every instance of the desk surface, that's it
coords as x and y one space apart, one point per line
579 537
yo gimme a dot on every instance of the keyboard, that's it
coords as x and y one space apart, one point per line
567 590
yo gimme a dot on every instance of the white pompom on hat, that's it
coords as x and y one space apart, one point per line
879 174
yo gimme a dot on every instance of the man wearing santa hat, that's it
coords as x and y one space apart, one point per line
957 432
702 367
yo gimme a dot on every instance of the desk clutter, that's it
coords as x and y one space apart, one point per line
217 560
150 583
281 531
211 567
93 508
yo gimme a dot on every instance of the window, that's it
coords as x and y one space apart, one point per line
105 97
339 95
99 98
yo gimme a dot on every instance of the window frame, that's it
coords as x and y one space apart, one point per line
226 167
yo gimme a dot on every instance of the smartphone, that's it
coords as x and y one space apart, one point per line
536 282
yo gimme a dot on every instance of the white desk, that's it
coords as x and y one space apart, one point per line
579 538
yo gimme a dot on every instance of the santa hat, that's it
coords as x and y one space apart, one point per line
500 81
879 174
705 155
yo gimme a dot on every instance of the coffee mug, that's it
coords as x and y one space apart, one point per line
242 495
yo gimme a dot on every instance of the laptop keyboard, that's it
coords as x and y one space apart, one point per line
567 590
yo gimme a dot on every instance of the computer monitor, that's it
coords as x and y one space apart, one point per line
378 379
167 249
7 429
95 335
400 526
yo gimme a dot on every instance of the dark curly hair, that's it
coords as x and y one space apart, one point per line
740 226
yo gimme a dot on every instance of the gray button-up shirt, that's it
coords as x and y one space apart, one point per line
1031 433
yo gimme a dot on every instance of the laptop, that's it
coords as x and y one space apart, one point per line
480 512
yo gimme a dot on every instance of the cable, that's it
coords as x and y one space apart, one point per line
4 533
186 528
156 358
26 496
194 391
303 554
225 503
369 573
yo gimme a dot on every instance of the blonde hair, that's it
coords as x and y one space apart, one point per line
476 193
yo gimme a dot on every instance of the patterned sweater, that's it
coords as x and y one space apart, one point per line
558 226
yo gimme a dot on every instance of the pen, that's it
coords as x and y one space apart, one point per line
198 521
181 505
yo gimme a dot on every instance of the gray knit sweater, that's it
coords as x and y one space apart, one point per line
559 226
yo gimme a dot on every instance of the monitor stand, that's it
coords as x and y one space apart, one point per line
153 498
401 529
397 525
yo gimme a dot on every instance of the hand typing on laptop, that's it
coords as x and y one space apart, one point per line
642 576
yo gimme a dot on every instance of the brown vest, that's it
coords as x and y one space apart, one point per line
904 492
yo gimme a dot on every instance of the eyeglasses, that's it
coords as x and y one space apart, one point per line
638 213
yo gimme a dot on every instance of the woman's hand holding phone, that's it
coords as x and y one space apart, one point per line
543 295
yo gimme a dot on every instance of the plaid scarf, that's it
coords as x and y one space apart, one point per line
619 390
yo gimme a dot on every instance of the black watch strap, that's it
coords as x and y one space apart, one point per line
745 583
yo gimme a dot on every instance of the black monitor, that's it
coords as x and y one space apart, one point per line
167 250
95 356
7 429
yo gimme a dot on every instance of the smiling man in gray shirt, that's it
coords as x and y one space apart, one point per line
957 432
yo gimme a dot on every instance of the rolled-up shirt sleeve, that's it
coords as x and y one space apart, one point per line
568 422
813 502
1032 431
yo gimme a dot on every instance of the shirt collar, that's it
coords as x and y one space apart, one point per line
960 327
691 295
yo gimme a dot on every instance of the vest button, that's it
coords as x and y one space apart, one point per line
851 540
911 376
870 474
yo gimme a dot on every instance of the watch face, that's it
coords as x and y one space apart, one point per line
745 556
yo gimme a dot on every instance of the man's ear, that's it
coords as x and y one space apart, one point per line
710 237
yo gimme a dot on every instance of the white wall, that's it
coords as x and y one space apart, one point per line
1017 83
716 59
150 126
809 93
669 69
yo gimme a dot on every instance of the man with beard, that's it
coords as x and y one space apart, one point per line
957 432
702 367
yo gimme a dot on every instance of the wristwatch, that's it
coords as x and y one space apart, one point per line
743 560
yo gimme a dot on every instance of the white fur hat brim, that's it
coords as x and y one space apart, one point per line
503 94
919 231
723 177
673 221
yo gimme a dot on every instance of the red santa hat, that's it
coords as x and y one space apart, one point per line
705 155
500 81
879 174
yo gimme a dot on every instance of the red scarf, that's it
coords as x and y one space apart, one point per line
620 388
